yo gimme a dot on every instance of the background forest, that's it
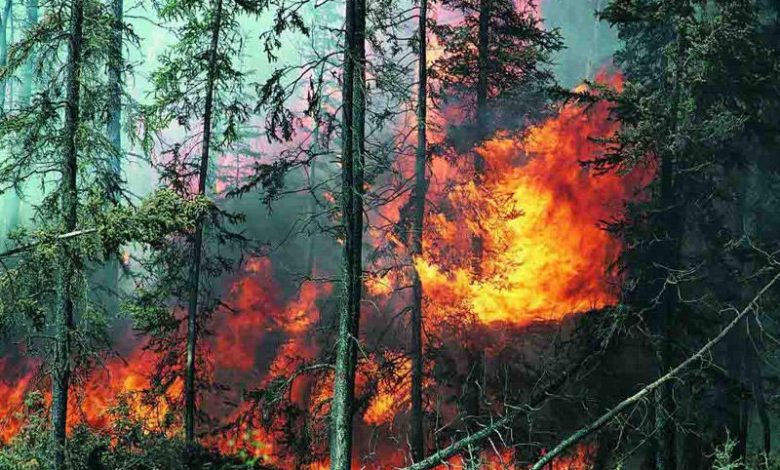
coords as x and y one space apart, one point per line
308 234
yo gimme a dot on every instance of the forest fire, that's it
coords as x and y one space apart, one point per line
537 212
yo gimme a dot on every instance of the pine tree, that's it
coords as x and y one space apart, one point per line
200 88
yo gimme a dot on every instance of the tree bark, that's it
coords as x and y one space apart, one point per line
316 149
761 406
665 436
353 109
483 52
64 324
420 189
197 242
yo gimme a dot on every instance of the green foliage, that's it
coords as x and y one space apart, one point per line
25 285
159 215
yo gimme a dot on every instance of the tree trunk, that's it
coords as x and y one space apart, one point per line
316 149
594 43
28 71
472 388
9 201
420 189
352 214
483 52
197 242
14 205
761 406
69 207
4 22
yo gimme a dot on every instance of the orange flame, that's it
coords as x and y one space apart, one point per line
537 213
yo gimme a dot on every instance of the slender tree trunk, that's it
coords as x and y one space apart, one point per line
420 189
594 43
483 58
64 325
312 243
197 242
761 406
316 148
28 71
4 22
353 106
12 27
14 207
9 201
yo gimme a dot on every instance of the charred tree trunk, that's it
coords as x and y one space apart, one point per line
197 241
64 324
420 189
353 108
